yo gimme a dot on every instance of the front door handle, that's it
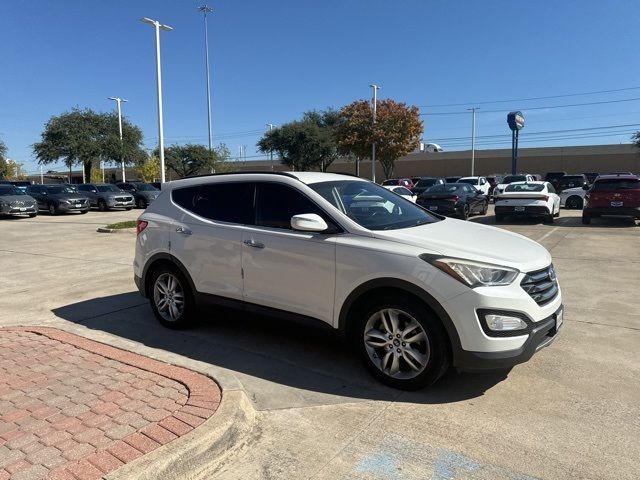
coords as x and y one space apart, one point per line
183 230
254 244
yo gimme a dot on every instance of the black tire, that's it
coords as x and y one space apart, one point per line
52 209
102 205
464 214
438 359
548 219
141 203
586 220
33 215
485 208
499 218
574 202
82 212
128 208
187 316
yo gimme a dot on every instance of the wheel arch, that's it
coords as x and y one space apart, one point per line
372 288
157 260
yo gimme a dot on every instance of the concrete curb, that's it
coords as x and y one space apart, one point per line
192 455
115 230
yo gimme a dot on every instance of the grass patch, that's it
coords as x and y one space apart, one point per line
120 225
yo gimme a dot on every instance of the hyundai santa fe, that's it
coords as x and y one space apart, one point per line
412 291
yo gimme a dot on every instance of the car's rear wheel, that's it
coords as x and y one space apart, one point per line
574 202
402 344
548 218
485 208
171 298
52 209
464 213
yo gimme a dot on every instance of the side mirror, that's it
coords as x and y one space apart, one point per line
93 190
586 186
308 222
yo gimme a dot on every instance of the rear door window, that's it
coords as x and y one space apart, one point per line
222 202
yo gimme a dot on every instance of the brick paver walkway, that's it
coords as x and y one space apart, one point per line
71 408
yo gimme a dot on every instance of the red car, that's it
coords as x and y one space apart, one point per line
616 195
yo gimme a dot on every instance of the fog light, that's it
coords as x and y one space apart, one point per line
504 323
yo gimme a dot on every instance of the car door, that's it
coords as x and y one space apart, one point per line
286 269
37 192
207 237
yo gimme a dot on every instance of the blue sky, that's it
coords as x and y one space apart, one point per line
271 61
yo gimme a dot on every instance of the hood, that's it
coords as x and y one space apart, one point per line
115 194
473 241
149 194
17 198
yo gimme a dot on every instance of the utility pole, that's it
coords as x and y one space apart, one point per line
271 127
118 102
473 138
157 25
206 9
41 176
373 146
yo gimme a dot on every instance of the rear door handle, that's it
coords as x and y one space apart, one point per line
183 230
254 244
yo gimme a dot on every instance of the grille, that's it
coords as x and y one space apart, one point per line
123 199
541 285
20 203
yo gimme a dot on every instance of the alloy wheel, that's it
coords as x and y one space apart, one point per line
168 296
396 343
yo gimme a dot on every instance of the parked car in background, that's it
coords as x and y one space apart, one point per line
59 198
404 192
452 179
459 199
19 184
432 148
528 199
412 292
14 202
494 181
525 177
572 181
591 176
425 183
142 192
572 198
614 195
404 182
480 183
554 177
106 196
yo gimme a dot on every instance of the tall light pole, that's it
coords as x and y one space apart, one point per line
373 146
271 127
157 25
205 9
473 138
119 101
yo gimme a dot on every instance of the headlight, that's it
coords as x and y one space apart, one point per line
474 274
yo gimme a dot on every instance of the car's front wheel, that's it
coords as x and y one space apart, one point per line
141 203
102 205
401 343
171 298
52 209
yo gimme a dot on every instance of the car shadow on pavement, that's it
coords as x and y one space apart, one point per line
266 348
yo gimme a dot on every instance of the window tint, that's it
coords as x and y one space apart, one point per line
525 187
550 188
615 184
276 204
223 202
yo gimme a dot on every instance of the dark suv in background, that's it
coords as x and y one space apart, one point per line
106 196
60 198
615 195
424 183
572 181
142 192
554 177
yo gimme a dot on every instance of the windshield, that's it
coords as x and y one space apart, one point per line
9 190
450 188
371 205
616 184
61 189
426 183
470 181
107 188
514 178
144 187
525 187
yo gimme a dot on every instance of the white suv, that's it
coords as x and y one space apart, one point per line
413 292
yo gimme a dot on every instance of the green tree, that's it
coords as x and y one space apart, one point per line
303 144
81 137
10 169
635 138
397 131
193 159
149 169
96 175
3 160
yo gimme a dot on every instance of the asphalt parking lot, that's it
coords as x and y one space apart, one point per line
572 412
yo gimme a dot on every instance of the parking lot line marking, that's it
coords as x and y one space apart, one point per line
547 234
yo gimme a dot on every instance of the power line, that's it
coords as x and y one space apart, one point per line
528 99
539 108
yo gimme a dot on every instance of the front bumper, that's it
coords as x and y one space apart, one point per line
613 211
112 203
66 207
540 336
19 210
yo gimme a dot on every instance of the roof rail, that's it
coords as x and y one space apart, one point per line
254 172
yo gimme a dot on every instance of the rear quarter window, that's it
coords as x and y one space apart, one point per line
222 202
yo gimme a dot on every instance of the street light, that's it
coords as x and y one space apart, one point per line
118 101
473 138
373 146
157 25
271 127
205 9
